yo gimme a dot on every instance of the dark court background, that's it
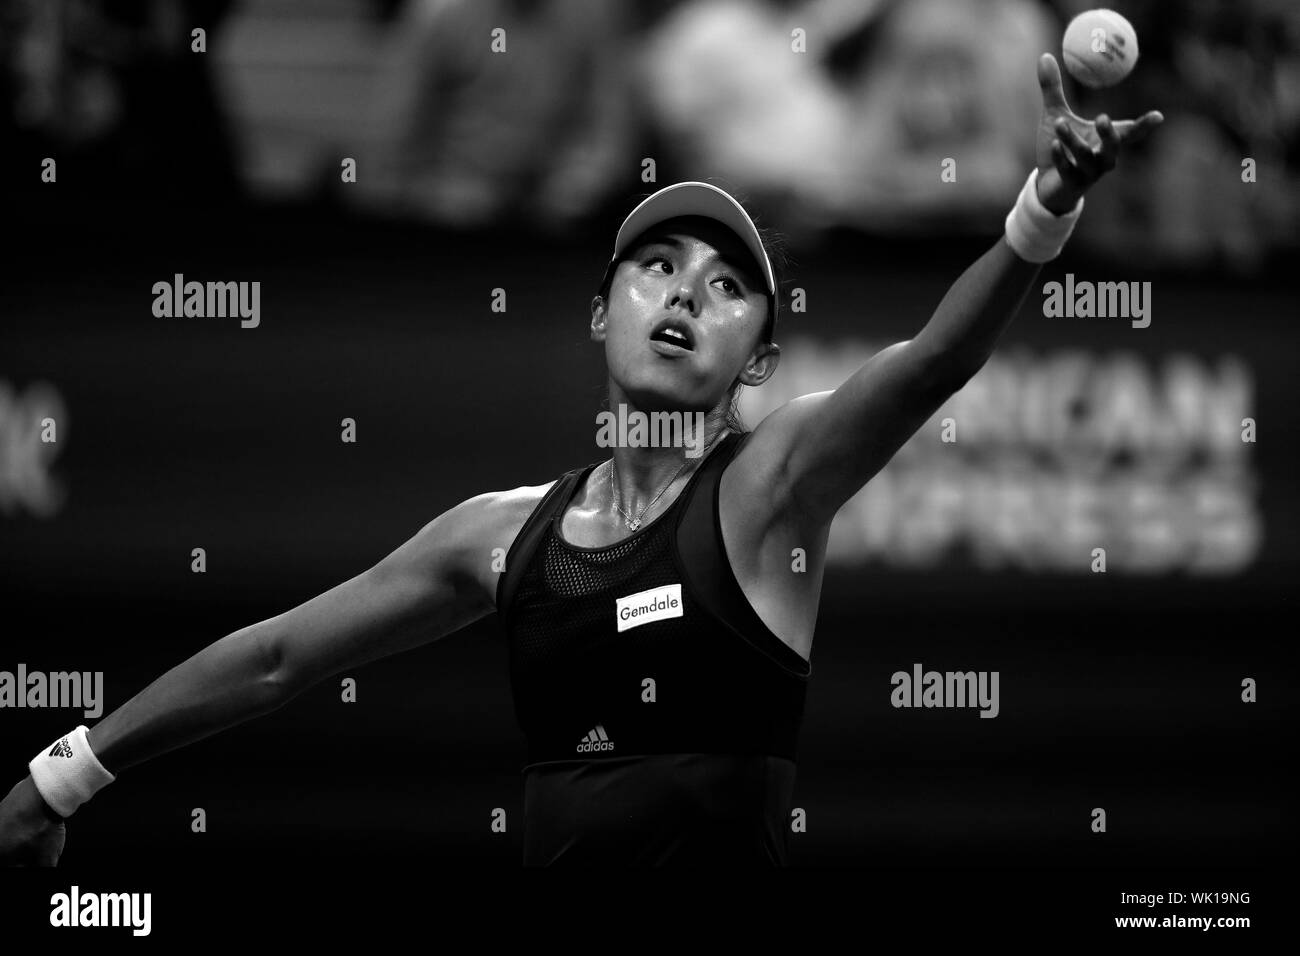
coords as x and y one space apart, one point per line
1120 690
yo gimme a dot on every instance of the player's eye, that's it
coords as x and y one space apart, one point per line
668 265
731 285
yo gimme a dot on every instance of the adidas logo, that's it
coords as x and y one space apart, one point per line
61 749
596 739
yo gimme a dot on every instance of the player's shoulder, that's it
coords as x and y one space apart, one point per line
514 505
762 472
496 516
501 512
767 447
480 531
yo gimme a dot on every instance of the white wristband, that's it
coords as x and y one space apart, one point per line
68 773
1034 232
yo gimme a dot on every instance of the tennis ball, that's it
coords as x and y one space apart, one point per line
1100 48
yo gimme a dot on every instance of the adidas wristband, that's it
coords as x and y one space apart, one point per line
68 773
1034 232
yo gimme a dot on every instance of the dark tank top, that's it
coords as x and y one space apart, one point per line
661 714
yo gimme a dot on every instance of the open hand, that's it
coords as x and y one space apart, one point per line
1072 152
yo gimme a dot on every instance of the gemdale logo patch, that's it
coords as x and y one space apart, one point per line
646 606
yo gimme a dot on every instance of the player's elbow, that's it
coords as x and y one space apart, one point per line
936 374
274 679
943 373
952 380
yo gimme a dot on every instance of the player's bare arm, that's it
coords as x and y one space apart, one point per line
434 584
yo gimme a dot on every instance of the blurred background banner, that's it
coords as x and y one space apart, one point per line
379 170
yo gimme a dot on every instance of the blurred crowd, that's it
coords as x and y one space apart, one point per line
824 113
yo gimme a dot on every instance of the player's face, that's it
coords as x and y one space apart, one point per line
684 316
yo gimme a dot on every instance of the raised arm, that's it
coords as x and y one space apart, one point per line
822 448
434 584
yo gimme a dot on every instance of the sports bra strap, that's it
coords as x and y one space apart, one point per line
530 535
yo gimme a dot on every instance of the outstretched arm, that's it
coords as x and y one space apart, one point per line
434 584
422 591
826 446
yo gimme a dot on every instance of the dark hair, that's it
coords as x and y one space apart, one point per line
774 246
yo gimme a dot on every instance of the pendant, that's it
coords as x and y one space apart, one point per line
634 523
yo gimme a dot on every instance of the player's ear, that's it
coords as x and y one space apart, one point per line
761 365
598 316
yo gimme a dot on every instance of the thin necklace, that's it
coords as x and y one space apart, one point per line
634 523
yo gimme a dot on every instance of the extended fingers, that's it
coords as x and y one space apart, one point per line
1049 81
1109 152
1134 131
1069 172
1084 158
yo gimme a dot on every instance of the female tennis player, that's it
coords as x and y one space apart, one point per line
659 640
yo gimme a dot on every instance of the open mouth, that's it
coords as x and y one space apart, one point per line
674 332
